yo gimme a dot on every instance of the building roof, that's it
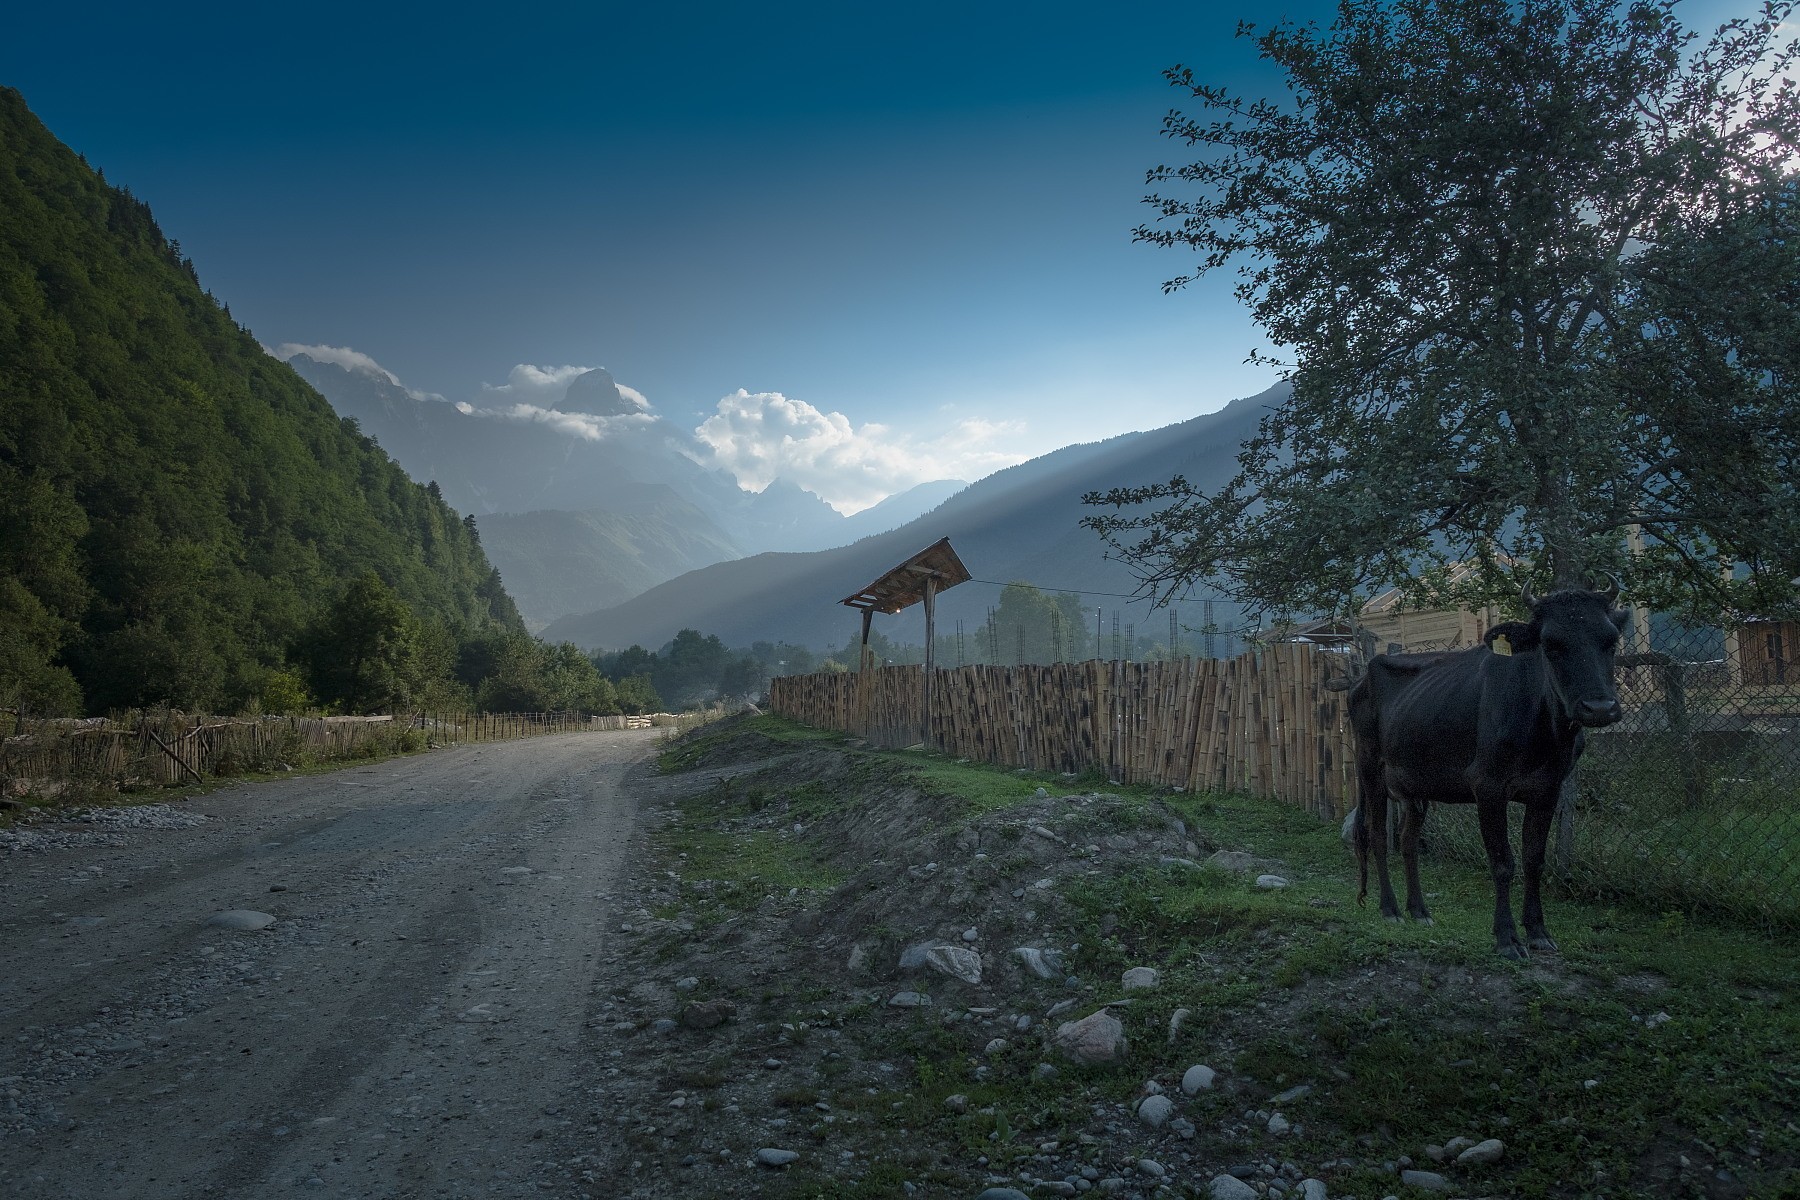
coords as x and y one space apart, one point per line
905 584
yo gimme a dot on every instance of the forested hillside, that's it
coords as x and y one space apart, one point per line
180 514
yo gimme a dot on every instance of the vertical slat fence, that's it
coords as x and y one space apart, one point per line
1263 723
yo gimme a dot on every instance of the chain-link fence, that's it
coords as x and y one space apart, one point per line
1693 800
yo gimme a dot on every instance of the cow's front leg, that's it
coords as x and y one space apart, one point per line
1490 807
1535 841
1409 851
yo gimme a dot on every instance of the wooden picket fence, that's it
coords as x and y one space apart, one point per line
1263 723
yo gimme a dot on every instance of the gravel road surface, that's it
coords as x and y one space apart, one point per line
416 1022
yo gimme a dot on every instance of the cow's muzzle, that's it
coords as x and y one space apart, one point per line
1597 713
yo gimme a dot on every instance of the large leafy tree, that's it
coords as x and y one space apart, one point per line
1531 268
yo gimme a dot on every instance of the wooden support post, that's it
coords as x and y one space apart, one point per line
930 656
862 657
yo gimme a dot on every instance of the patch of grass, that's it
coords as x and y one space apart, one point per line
982 787
687 752
744 869
1415 1033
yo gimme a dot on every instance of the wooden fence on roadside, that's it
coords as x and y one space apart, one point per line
1263 723
167 747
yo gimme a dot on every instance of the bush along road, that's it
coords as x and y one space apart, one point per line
764 961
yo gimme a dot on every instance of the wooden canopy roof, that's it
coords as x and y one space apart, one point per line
905 584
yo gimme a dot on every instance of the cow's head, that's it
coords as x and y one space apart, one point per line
1577 632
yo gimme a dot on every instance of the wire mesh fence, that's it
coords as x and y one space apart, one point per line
1693 800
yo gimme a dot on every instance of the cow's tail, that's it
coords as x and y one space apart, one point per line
1360 836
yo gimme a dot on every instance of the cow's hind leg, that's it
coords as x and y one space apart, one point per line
1409 853
1490 806
1376 803
1535 843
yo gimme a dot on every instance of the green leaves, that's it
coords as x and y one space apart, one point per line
1533 272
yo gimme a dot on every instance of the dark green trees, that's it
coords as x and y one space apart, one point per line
178 511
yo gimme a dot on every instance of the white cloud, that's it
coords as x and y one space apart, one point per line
759 436
586 426
528 384
351 360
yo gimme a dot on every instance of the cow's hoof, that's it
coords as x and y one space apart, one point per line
1425 920
1393 918
1544 942
1513 950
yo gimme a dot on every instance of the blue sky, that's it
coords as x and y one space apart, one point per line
917 217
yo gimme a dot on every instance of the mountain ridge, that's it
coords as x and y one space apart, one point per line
1021 523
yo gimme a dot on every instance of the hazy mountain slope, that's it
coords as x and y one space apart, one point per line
897 510
175 504
1021 523
488 463
557 563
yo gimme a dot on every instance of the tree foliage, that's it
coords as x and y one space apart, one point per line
1532 270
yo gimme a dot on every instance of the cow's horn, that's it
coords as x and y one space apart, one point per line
1613 589
1531 601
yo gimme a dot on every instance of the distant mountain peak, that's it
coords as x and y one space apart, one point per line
596 392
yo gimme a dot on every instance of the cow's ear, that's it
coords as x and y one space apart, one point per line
1620 617
1524 637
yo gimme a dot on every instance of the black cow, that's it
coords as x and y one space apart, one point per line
1484 726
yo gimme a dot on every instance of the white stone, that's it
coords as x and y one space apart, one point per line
958 962
1312 1189
1483 1153
1230 1187
1045 964
909 1000
1278 1125
1197 1079
1139 978
770 1157
1270 882
1155 1111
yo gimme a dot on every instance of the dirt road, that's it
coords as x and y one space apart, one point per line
413 1023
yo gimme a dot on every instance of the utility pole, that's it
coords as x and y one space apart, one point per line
1174 637
1211 630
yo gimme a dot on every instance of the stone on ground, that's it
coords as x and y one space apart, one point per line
1098 1038
1140 977
1431 1181
958 962
241 918
1045 964
1483 1153
770 1157
1230 1187
1197 1079
706 1014
1155 1111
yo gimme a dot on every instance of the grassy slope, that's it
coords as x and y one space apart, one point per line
1412 1034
